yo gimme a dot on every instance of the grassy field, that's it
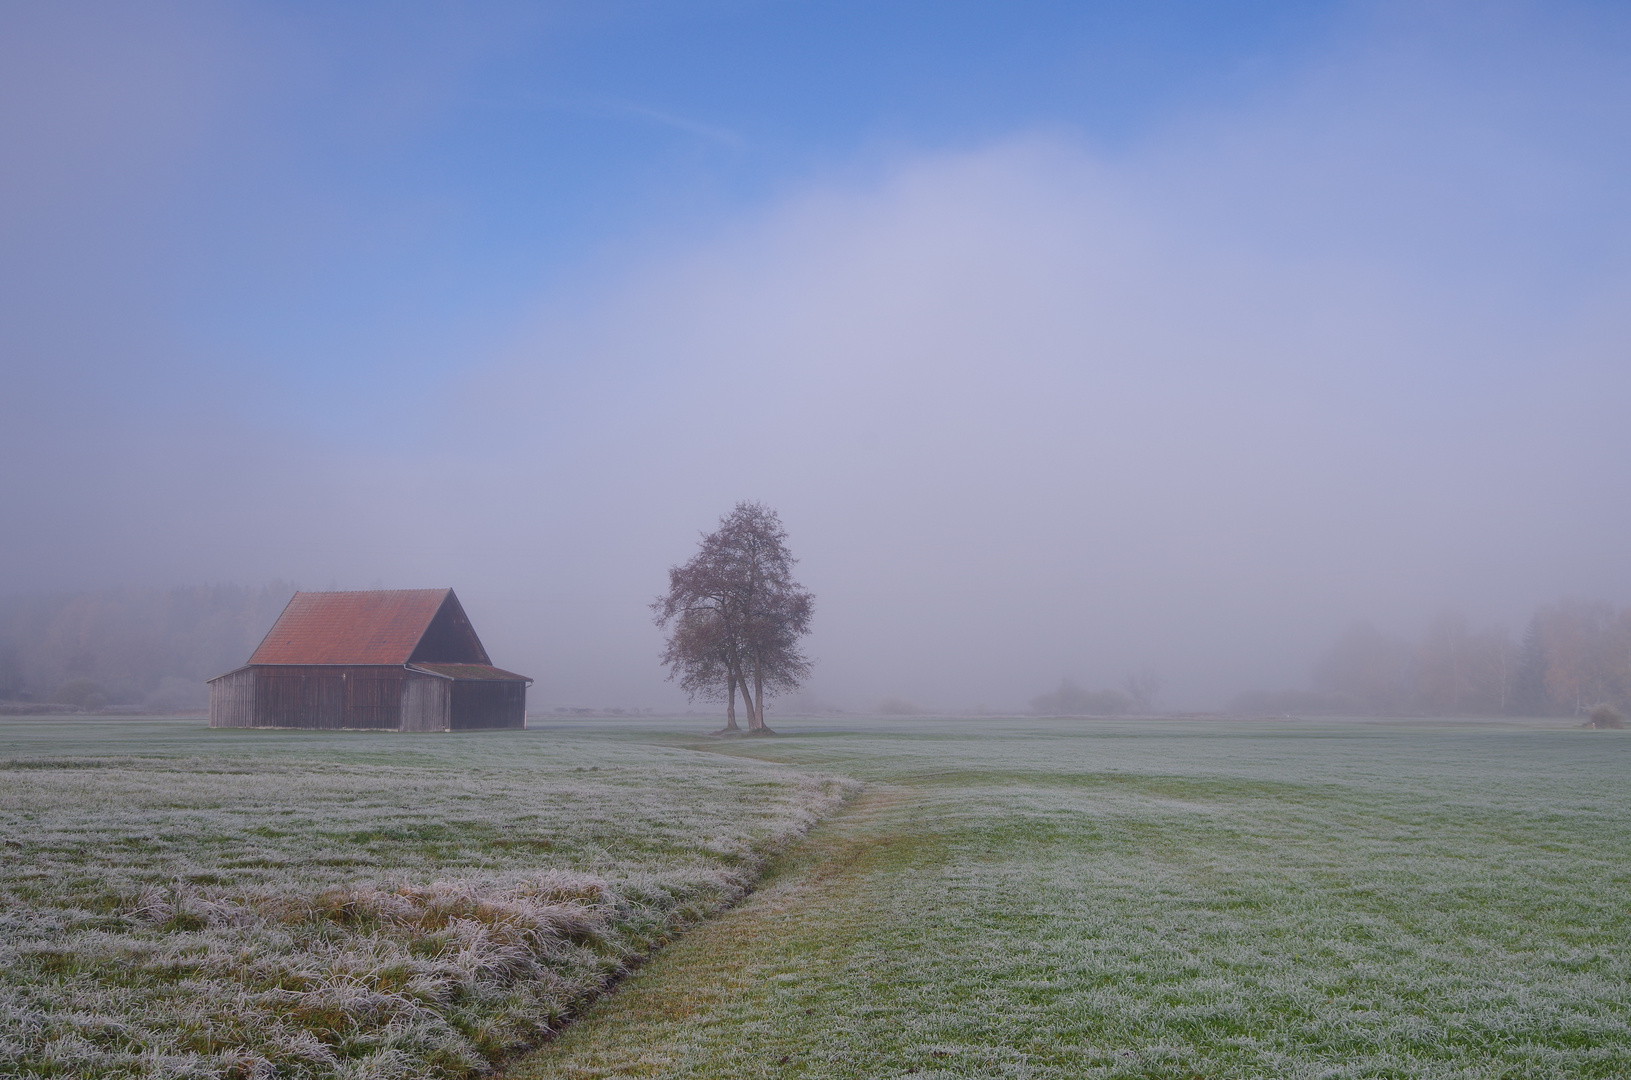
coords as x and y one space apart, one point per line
176 901
1163 899
1002 898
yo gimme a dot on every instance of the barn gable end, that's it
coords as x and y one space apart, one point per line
449 638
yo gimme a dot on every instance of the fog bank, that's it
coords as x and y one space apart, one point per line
1031 406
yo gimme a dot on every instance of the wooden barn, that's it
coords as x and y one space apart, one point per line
398 660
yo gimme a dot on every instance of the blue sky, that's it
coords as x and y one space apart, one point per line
1068 338
359 187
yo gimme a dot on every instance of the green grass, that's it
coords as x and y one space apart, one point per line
1003 898
1069 899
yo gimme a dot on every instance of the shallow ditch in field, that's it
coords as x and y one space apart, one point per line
284 915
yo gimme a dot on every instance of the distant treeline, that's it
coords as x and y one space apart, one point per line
148 648
1573 655
1073 700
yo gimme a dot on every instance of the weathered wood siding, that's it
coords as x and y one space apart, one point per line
319 696
373 697
232 699
480 704
299 697
425 703
314 696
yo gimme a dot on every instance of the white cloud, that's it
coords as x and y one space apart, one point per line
1029 409
1024 421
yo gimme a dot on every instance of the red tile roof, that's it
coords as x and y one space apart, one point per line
484 672
376 627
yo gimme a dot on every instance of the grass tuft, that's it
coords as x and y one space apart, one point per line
425 919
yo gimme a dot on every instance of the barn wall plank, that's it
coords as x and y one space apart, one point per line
232 700
425 703
374 697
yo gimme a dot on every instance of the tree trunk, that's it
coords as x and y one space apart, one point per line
758 723
739 677
754 721
730 704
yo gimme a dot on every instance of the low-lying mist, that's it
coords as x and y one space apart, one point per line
1031 408
151 651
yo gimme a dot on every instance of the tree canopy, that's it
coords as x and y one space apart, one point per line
734 616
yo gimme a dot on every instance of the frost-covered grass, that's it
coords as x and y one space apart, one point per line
176 901
1164 899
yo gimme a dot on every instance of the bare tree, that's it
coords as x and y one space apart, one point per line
698 655
736 615
703 651
1142 686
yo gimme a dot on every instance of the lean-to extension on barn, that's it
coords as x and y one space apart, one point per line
398 659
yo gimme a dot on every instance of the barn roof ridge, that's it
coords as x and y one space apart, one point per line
367 592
